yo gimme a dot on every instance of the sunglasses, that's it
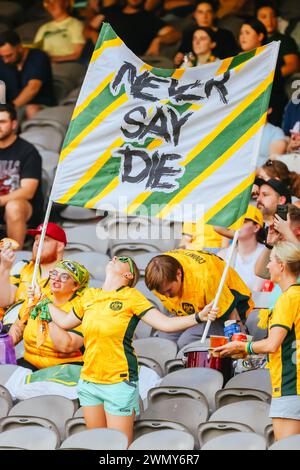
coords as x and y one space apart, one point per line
125 259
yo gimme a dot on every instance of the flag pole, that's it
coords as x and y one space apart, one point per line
222 282
41 244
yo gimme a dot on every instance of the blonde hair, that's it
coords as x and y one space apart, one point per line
289 254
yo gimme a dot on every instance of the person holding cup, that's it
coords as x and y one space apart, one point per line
281 345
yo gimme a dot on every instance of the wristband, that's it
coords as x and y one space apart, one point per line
197 318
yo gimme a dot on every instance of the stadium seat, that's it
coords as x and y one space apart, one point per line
142 260
96 439
141 286
269 435
55 408
55 115
189 412
6 370
89 242
9 423
27 31
207 381
291 443
10 317
196 344
29 438
254 379
213 429
251 324
145 426
159 349
10 12
93 261
252 413
237 441
232 395
151 363
75 424
164 440
143 331
78 214
160 394
173 365
43 135
71 98
6 402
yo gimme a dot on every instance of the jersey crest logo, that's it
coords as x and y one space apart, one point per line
188 308
116 306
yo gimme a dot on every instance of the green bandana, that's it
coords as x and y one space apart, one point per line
78 272
42 308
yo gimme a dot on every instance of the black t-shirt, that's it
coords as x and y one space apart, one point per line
226 44
137 30
288 45
20 161
37 66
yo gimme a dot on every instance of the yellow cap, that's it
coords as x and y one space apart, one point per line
253 213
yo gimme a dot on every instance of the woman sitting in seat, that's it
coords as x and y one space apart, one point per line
45 343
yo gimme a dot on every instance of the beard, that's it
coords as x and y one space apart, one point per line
46 258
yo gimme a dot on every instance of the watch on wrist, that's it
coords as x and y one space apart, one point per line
267 245
197 318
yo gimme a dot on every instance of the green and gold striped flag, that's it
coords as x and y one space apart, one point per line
144 140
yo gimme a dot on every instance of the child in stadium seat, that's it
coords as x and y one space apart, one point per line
281 345
45 343
108 387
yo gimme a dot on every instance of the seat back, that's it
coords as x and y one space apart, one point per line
160 394
14 422
74 425
213 429
159 349
96 439
29 437
168 439
237 441
232 395
254 379
144 426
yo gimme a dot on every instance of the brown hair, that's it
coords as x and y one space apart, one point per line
279 170
294 213
162 268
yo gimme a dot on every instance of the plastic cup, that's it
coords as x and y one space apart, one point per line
217 341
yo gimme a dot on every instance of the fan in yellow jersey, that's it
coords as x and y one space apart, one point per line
108 388
45 343
14 287
185 281
283 344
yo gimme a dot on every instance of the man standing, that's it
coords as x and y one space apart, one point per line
26 73
21 198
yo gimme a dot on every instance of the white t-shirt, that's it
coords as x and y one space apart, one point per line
245 267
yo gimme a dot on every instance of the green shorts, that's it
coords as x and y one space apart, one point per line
119 399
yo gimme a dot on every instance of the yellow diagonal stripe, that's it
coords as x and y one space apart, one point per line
258 51
228 120
91 172
78 110
95 123
224 65
213 167
109 188
111 43
229 197
137 202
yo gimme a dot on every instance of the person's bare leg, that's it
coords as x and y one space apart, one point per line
32 109
94 417
17 213
284 428
122 423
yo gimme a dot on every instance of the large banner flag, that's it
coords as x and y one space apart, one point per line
149 140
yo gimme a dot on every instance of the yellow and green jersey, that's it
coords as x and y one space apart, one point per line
202 272
109 319
284 365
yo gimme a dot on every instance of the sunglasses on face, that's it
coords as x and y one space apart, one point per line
124 259
62 277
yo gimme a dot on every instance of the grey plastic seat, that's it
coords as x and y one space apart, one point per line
291 443
159 349
74 425
207 381
184 410
237 441
251 324
160 394
78 214
6 370
254 379
55 408
145 426
96 439
14 422
94 262
45 135
30 438
269 435
214 429
142 260
173 365
6 402
164 440
151 363
252 413
196 344
91 241
232 395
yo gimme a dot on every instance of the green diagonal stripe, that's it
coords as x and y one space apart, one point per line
106 34
233 132
241 58
233 210
98 183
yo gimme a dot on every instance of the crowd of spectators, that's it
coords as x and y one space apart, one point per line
184 33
